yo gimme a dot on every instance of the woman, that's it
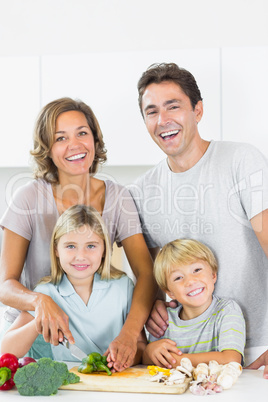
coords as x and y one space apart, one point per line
68 147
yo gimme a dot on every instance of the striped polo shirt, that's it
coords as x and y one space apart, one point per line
220 327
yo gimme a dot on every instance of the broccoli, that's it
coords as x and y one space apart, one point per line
43 377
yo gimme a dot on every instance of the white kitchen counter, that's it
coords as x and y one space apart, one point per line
250 387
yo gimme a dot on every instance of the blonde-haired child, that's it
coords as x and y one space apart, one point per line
203 327
95 296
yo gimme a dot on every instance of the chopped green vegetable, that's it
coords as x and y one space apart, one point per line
43 377
94 362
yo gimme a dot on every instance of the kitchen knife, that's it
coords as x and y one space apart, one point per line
75 351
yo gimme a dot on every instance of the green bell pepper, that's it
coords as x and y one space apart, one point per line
94 362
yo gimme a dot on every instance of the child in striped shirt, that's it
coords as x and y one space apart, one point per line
203 327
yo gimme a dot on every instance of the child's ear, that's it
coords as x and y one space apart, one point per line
214 276
56 251
170 294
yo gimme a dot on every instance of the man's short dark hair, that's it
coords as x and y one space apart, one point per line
157 73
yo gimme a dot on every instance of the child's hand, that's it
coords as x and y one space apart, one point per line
159 352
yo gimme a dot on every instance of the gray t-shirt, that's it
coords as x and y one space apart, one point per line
33 213
220 327
213 203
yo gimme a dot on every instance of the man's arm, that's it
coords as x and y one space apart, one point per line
260 226
261 361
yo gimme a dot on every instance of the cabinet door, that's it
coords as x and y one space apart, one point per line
19 106
108 83
244 101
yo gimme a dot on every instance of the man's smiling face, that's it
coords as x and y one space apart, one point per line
170 118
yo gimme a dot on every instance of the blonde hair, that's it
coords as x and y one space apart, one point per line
44 132
72 219
181 252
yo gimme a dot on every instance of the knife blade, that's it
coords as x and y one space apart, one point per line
75 351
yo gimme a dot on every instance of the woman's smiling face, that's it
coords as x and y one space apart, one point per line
73 150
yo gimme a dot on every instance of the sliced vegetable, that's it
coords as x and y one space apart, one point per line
94 362
156 369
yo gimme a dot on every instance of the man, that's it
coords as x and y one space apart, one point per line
215 192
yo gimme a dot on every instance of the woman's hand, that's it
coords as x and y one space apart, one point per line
157 323
51 321
159 352
121 352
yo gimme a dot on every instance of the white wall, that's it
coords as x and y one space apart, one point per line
35 28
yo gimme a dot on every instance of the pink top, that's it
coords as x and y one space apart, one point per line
33 213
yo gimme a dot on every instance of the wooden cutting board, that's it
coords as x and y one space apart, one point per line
134 379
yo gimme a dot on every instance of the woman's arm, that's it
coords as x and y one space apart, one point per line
157 353
49 317
123 349
13 254
20 336
141 345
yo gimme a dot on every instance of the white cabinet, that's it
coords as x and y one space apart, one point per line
19 106
108 83
244 95
233 83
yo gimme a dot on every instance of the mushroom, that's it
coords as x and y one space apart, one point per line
235 366
187 364
214 367
176 377
184 371
225 380
159 377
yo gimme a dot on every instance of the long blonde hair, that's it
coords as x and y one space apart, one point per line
72 219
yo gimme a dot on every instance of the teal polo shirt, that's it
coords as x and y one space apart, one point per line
95 325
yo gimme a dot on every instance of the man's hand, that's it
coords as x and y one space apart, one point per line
121 352
157 323
159 352
261 361
51 321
